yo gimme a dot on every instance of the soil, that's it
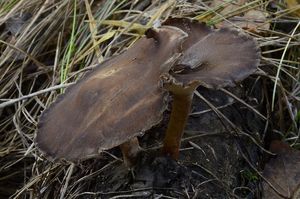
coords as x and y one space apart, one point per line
214 160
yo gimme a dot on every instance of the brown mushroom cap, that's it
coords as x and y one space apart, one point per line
219 59
196 30
113 103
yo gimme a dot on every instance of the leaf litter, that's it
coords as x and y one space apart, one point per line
216 152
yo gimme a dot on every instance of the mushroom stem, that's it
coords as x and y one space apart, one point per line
180 111
130 150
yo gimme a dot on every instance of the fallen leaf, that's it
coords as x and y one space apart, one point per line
253 20
282 172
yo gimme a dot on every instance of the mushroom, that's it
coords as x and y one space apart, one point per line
125 96
114 103
211 58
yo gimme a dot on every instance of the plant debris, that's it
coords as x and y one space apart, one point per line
282 173
227 131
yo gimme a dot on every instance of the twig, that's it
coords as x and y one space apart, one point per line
243 102
12 101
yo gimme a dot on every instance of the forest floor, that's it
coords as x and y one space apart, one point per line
46 45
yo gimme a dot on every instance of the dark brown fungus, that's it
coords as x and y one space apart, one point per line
220 59
114 103
196 30
123 98
217 59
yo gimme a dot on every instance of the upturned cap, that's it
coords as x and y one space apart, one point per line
214 58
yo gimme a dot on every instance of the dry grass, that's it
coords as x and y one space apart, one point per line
47 45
